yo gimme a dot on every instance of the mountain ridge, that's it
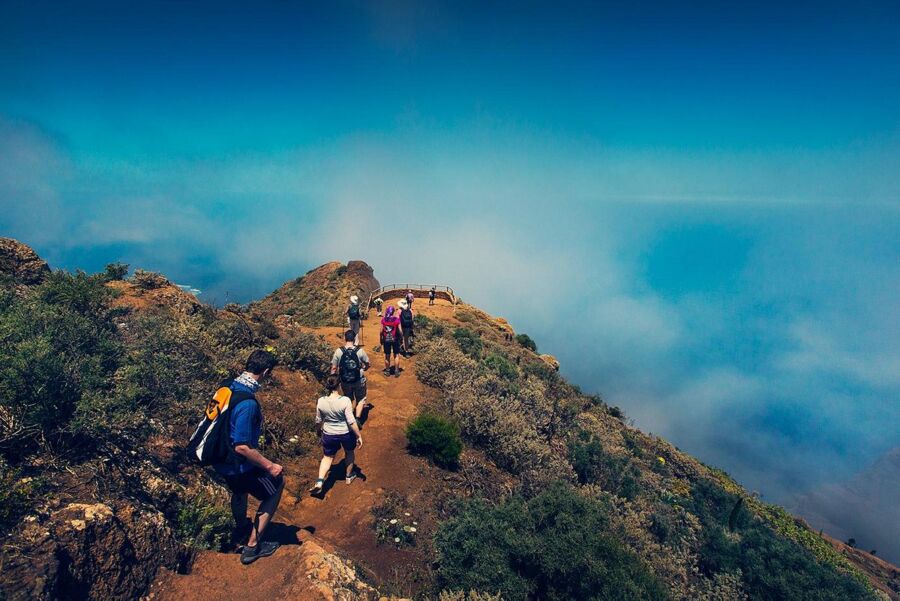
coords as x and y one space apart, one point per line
663 509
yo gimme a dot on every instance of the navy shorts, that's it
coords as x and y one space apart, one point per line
332 442
393 347
256 482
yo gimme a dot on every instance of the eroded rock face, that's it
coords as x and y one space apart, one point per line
90 551
363 274
19 262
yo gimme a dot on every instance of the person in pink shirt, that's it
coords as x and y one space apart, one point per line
392 341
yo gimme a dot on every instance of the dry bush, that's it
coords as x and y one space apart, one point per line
149 280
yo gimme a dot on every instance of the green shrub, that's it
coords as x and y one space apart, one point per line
268 330
592 465
501 366
149 280
771 567
469 342
57 347
556 546
202 522
421 322
305 351
435 438
526 341
115 271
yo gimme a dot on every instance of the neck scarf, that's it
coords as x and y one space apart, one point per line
247 380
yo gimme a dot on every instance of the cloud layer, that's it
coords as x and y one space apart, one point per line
742 306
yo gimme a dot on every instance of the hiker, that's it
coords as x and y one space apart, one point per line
410 297
338 429
250 471
406 323
353 317
431 295
378 303
350 362
392 340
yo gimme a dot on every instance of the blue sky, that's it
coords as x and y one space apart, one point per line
708 195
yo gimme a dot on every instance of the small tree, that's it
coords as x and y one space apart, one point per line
435 438
115 271
526 341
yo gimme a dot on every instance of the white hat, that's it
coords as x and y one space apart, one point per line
354 299
403 304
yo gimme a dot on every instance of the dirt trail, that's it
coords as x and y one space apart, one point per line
341 520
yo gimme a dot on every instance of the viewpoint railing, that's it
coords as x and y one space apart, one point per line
419 291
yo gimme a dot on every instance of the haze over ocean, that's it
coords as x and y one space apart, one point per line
695 208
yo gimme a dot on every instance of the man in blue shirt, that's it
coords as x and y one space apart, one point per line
250 472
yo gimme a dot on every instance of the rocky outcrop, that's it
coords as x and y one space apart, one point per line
141 295
21 264
320 297
90 551
306 571
551 361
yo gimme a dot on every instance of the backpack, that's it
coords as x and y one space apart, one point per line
349 366
389 333
210 444
406 318
353 312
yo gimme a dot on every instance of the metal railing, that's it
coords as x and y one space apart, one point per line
399 290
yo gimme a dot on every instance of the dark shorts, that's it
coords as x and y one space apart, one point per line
393 347
355 391
354 325
256 482
408 331
331 443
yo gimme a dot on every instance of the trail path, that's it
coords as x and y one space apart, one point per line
341 520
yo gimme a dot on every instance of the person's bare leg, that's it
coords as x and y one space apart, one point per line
324 466
351 459
360 406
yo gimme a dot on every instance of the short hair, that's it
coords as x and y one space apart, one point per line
259 361
332 382
349 335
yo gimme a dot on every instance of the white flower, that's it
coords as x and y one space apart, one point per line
406 514
412 529
394 521
397 540
415 523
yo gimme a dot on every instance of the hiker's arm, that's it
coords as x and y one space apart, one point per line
257 459
356 431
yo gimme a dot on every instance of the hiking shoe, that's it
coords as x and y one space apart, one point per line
317 487
351 477
262 549
386 371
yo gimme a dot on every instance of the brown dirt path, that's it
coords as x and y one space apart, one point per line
342 520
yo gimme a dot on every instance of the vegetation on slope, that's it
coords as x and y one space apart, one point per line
693 529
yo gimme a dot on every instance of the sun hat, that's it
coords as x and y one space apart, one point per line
403 304
354 299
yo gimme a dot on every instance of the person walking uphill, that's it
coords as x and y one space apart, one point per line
392 341
338 429
431 295
406 323
354 315
350 362
249 472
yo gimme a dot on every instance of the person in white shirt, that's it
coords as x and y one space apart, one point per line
337 425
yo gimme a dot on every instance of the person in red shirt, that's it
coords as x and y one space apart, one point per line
392 341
